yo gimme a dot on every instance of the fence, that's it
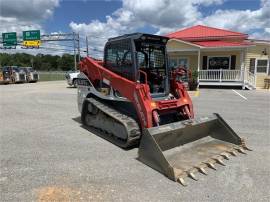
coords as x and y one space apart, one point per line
51 75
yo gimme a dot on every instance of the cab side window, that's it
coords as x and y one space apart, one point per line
118 58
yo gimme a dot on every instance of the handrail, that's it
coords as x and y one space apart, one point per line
145 75
250 78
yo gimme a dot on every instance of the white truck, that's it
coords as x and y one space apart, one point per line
71 77
31 74
17 75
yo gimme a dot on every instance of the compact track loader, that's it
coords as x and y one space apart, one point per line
132 98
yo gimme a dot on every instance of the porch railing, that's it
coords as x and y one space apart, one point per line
220 75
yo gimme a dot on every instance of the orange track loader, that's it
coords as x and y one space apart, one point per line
132 97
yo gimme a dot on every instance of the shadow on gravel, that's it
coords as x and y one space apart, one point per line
77 119
101 134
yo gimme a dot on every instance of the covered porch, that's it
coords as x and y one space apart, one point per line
216 66
223 77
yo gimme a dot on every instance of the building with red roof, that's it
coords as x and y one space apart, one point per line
221 57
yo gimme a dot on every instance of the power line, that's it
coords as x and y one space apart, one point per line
51 48
64 45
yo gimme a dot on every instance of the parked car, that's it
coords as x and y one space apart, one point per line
31 74
71 77
4 75
16 74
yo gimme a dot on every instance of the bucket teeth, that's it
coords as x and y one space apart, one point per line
219 161
232 153
225 155
182 181
244 145
202 170
192 176
211 165
246 148
240 150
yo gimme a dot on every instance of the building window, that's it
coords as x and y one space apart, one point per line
262 66
221 62
178 62
173 63
183 62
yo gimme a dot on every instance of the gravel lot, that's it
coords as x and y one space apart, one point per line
47 156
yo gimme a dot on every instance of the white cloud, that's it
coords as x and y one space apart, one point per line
169 15
18 15
28 9
264 35
21 15
165 15
12 24
122 21
243 21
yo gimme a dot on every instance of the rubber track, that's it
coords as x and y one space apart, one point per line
131 125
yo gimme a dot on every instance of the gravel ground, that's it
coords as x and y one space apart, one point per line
47 156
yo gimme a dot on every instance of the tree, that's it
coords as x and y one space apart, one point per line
66 62
40 61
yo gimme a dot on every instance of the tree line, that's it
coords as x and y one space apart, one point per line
40 61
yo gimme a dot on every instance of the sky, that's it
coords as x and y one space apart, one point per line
102 19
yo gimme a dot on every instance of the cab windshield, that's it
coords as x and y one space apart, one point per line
151 59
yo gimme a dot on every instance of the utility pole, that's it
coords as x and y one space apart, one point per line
87 53
74 46
32 61
79 52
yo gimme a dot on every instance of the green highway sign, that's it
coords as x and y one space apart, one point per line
31 35
9 39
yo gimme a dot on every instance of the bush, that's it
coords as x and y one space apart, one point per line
193 81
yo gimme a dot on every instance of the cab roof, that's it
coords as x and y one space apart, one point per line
138 35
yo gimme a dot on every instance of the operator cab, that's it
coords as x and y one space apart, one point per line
141 58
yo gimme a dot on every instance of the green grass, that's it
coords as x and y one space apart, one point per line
51 76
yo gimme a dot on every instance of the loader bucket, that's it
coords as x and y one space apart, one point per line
183 148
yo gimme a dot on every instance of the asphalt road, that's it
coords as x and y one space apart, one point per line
47 156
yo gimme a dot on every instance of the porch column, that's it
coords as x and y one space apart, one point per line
243 71
199 63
